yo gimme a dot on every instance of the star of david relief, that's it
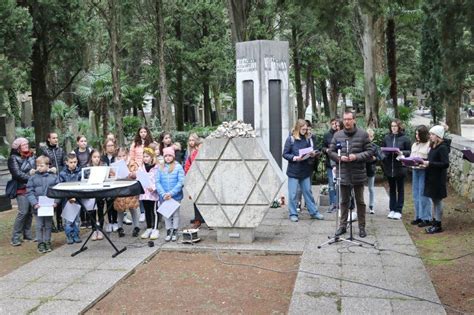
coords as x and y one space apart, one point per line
233 182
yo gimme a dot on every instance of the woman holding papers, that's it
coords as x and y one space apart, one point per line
146 175
395 145
169 184
297 150
420 149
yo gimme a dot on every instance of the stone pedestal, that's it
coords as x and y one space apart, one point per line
235 235
324 200
233 182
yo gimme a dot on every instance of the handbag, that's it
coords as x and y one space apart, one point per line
10 189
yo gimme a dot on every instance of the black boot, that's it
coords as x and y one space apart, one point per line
435 228
53 228
60 226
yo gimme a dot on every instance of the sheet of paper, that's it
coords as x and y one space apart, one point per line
70 211
305 151
97 174
121 169
89 204
44 201
143 178
168 207
45 211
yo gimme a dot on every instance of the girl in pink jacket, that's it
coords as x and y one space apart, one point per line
150 197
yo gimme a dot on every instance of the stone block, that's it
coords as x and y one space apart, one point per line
324 200
235 235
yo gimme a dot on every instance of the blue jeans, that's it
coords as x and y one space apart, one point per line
371 186
332 187
305 184
422 203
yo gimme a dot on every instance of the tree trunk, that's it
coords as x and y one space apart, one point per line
367 50
314 103
333 93
217 103
309 69
324 95
39 92
115 63
297 68
392 63
238 12
166 114
179 103
206 100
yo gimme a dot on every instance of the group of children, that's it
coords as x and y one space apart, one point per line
158 160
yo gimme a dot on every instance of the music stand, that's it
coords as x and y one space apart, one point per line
83 190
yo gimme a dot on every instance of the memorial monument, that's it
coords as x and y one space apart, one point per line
262 92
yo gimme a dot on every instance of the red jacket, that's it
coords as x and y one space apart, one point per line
189 161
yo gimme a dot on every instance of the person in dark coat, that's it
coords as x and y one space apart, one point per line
436 176
331 185
299 171
56 155
21 164
356 151
393 167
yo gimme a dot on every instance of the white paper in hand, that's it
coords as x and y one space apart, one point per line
89 204
70 211
144 179
46 208
168 207
121 169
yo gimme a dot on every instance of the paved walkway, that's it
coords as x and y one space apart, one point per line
334 279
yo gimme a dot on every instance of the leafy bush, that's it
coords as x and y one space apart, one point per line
405 113
131 125
28 133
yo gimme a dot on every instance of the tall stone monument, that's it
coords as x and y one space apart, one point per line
262 92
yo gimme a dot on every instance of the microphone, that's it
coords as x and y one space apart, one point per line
347 147
338 147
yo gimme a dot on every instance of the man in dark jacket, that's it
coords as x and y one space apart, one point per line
356 151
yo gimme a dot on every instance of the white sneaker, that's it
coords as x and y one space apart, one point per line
108 228
100 236
126 220
372 211
94 236
146 234
397 216
154 234
174 236
115 227
142 217
391 214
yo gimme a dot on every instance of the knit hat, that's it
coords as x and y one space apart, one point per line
168 151
438 130
18 142
149 151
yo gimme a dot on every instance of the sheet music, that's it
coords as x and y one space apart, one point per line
46 208
168 207
98 174
89 204
144 179
70 211
121 169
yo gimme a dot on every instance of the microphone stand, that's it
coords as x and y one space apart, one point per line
338 238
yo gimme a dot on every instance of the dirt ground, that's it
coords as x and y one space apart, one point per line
198 283
448 256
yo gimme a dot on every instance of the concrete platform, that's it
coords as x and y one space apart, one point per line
339 278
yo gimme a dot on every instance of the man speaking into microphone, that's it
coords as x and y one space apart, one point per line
355 150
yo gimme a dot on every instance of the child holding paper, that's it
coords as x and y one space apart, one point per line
150 197
71 173
95 160
122 204
36 188
169 184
